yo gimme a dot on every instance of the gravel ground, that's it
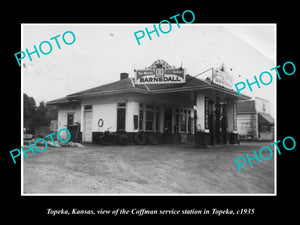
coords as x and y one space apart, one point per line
156 169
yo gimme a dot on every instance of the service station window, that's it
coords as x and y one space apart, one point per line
185 119
70 119
182 120
149 118
88 108
157 120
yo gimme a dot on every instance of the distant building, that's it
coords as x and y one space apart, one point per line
254 120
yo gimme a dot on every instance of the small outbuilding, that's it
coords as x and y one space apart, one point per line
254 120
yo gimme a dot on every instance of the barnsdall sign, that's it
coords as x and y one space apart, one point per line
160 73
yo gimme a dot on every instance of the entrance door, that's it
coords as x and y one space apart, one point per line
87 126
121 116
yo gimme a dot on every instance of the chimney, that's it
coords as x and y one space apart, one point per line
123 76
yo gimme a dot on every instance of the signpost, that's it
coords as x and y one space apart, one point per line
222 78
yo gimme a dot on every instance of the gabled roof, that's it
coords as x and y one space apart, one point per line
63 100
128 85
121 85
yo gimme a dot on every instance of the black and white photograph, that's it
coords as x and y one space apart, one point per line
149 111
131 109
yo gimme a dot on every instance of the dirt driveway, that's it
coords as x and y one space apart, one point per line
154 169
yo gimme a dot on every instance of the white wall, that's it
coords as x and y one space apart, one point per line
108 113
106 109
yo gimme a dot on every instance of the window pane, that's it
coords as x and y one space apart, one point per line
141 114
176 127
149 125
183 127
149 107
141 118
189 124
157 120
182 118
87 107
141 125
70 119
123 104
168 110
149 115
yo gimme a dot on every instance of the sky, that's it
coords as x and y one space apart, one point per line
102 51
261 37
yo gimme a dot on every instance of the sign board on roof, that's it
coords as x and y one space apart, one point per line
160 72
222 78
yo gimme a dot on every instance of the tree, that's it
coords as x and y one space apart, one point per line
51 113
29 112
37 116
40 115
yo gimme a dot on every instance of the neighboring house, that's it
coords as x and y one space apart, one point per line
175 110
254 119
